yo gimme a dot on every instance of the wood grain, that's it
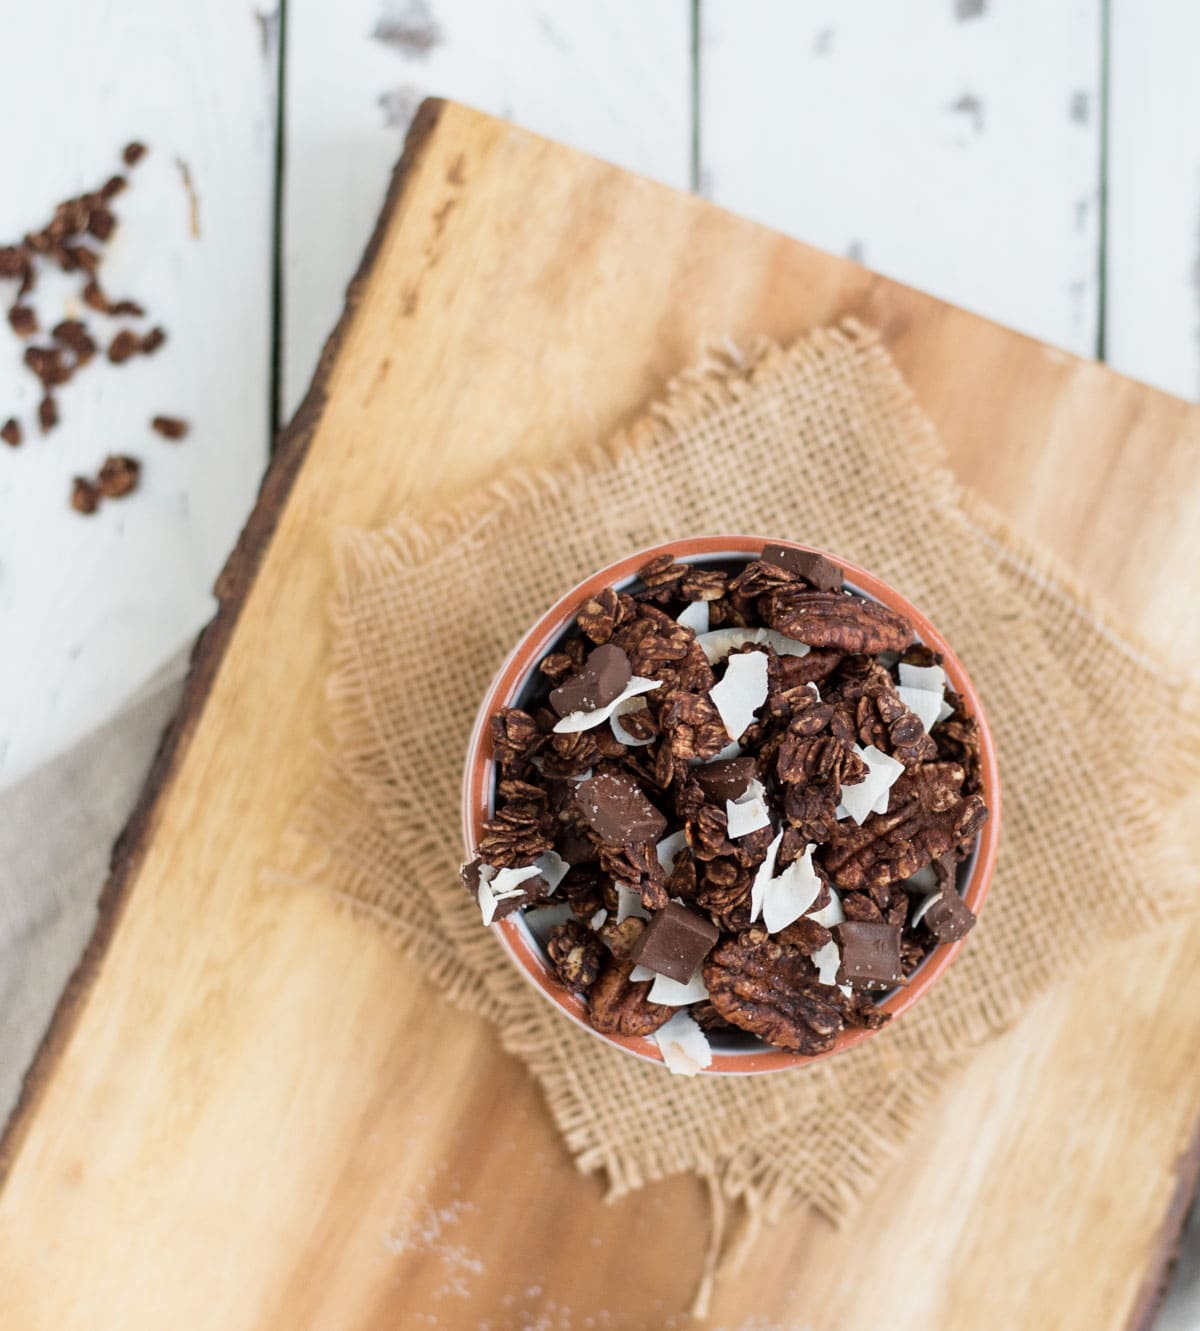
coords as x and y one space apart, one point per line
611 79
258 1115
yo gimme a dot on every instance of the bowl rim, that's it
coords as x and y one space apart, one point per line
515 934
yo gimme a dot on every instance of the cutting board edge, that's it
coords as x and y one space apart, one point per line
231 590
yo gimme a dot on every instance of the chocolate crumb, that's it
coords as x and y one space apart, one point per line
10 432
119 476
133 154
85 498
170 427
153 340
112 187
101 224
47 414
23 320
125 344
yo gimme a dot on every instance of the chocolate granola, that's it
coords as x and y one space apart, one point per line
763 762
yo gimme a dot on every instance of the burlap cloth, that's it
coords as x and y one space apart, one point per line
822 443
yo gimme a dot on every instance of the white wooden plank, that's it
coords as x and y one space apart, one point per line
1152 319
953 144
91 606
613 79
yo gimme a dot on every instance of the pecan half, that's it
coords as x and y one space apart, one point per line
831 619
769 988
619 1007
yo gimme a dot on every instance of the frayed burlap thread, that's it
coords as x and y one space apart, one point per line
821 442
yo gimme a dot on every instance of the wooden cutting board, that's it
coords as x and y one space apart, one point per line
253 1113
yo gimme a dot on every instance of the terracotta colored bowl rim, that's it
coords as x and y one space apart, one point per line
479 781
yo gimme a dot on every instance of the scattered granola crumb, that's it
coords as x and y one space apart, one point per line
133 154
47 414
23 320
170 427
85 497
10 432
119 476
125 344
153 340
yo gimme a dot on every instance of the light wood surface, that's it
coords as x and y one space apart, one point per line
255 1114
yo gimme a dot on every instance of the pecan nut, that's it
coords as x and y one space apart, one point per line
770 988
620 1007
832 619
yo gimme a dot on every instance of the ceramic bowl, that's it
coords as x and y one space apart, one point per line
515 683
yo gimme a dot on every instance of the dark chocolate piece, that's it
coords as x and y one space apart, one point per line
870 951
675 942
603 678
726 780
816 570
618 811
576 849
949 918
469 873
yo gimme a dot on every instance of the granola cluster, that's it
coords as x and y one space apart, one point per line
737 801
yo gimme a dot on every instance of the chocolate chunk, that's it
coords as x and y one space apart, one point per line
675 942
816 570
726 780
949 918
618 811
870 951
602 679
576 849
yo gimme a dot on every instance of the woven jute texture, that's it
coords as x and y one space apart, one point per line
823 443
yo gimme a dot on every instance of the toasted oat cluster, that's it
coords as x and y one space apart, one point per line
739 801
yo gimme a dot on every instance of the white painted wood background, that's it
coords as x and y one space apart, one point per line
1036 160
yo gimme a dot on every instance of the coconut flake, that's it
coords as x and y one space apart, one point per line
924 702
574 722
598 919
766 871
668 848
671 993
543 918
629 903
506 883
832 914
640 973
695 617
930 678
944 711
581 778
748 812
919 913
553 868
720 642
497 885
827 959
685 1048
635 704
882 771
789 895
741 692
